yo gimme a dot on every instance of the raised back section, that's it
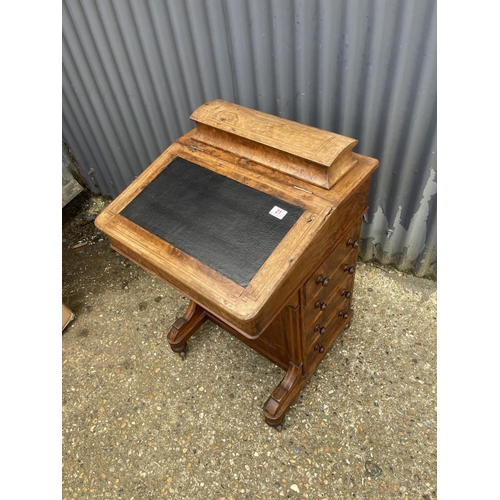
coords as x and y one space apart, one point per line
308 153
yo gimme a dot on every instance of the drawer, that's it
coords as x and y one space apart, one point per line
323 324
324 303
316 343
340 263
341 260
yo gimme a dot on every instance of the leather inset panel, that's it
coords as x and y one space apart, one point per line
218 221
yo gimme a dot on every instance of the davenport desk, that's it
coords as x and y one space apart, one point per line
257 220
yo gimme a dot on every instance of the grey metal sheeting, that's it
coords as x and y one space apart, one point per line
134 70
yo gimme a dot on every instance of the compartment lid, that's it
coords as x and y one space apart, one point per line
317 156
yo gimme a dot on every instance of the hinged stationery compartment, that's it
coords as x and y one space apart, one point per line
308 153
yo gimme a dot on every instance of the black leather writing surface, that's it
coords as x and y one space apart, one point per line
218 221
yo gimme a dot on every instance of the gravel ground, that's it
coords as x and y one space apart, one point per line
138 422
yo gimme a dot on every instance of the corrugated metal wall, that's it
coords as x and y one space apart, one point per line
134 70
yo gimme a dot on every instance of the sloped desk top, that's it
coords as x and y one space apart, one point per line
249 308
228 226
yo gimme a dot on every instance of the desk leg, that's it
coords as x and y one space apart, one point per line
283 396
184 327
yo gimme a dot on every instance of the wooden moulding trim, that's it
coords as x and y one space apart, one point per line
140 182
169 262
316 156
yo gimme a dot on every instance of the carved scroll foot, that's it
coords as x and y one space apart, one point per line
283 396
184 327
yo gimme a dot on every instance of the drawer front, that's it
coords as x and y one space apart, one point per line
322 325
328 301
341 261
317 343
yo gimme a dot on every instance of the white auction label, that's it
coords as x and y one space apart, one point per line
278 212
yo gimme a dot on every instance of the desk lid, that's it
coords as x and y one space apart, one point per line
230 227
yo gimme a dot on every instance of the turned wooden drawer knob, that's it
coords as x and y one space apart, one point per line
354 243
320 305
349 269
344 314
320 329
323 281
346 293
319 348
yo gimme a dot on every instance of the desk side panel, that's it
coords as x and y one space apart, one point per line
335 224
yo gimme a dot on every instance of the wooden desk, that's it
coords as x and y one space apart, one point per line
207 218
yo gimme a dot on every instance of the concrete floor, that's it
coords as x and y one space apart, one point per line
138 422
